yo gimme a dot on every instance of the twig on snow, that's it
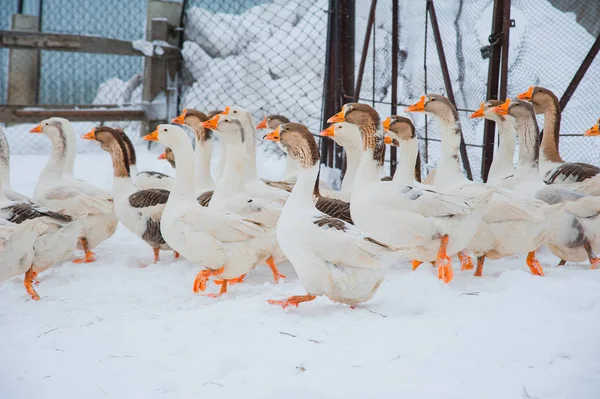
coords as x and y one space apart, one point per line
48 332
284 333
526 394
119 357
372 311
476 293
213 383
295 336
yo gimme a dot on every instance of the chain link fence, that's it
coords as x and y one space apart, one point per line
267 57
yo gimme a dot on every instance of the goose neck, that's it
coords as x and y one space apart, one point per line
232 180
367 172
408 150
502 164
183 187
449 168
250 156
302 193
353 157
56 163
203 180
528 147
550 141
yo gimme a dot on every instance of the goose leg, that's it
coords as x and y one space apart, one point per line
480 261
176 254
89 255
34 275
416 264
276 274
594 260
562 262
203 276
534 265
29 278
156 254
443 262
465 261
293 300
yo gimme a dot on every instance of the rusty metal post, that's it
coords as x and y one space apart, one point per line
447 82
365 50
395 48
345 86
585 64
489 127
329 81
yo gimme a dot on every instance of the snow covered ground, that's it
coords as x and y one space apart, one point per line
115 329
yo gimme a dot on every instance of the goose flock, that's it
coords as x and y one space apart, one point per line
340 243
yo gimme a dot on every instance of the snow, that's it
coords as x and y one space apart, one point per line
115 329
146 47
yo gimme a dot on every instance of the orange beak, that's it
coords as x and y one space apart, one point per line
479 113
417 107
527 95
339 117
211 123
386 126
180 120
162 156
502 109
328 132
152 136
387 139
274 135
90 136
226 112
594 131
37 129
262 124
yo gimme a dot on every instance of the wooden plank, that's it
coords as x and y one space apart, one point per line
23 72
34 115
75 43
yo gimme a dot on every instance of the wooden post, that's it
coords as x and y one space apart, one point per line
160 74
23 72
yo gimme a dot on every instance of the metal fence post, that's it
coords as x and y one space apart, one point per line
489 127
23 65
585 64
447 82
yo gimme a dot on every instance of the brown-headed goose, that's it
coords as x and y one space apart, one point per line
147 178
573 229
552 167
59 191
434 224
331 257
168 156
271 122
139 210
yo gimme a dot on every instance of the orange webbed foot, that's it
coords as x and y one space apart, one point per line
534 264
274 270
595 262
176 254
223 289
292 301
465 261
232 281
89 257
29 278
203 276
443 262
416 264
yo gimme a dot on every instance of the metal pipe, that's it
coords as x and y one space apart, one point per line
505 42
395 49
447 82
365 50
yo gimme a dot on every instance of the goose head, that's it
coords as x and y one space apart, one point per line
368 121
239 113
436 105
168 135
108 138
54 128
298 142
594 130
520 111
272 121
541 98
169 156
344 134
193 118
485 111
398 129
231 129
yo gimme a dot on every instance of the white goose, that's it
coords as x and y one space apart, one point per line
204 184
5 171
332 258
230 195
226 245
552 167
59 191
436 225
138 209
515 211
254 184
573 232
400 132
271 122
146 179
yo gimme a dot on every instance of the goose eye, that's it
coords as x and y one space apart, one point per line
287 128
432 99
46 124
164 130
